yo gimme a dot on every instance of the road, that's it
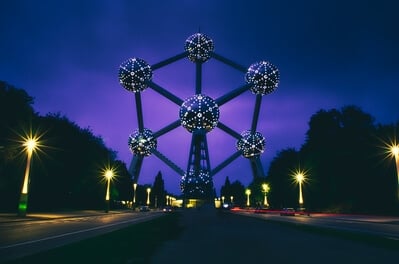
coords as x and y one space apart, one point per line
381 226
211 236
37 233
217 237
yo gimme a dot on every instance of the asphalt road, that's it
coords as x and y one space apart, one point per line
214 237
24 237
380 226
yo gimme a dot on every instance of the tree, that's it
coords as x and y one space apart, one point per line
158 193
226 190
67 173
283 193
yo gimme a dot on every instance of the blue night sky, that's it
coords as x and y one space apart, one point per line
66 54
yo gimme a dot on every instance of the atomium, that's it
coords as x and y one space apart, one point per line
263 77
134 74
196 185
199 112
199 47
251 144
142 143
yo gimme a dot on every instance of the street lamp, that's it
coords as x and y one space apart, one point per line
394 151
266 189
248 193
108 174
30 144
148 195
134 193
300 177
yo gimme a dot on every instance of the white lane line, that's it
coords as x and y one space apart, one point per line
75 232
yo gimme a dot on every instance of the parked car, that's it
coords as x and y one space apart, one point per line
144 208
288 211
302 211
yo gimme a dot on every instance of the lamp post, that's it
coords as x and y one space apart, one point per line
231 200
134 193
394 148
266 189
30 145
148 195
299 178
248 193
108 176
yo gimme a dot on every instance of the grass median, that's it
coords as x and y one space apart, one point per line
134 244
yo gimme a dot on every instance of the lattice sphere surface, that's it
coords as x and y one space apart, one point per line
263 77
142 143
251 144
134 74
199 112
196 185
199 47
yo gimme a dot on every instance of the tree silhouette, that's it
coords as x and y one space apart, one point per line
158 192
67 173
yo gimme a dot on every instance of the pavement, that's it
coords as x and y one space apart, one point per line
35 216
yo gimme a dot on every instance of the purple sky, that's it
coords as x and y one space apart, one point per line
66 54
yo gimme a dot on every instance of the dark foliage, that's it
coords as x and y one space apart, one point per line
66 171
346 168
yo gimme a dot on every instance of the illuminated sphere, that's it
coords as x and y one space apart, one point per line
263 77
196 186
134 74
251 144
142 143
199 47
199 112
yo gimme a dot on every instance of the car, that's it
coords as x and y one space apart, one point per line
144 208
167 209
288 212
302 211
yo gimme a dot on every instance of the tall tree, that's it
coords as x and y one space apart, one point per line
158 193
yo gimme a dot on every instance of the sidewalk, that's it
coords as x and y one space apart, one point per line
35 216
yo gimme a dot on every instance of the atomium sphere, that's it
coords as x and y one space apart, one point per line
251 144
134 74
142 143
199 112
263 77
196 186
199 47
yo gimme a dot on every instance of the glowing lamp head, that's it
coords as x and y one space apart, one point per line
142 143
109 174
134 74
30 144
300 177
248 192
199 47
251 144
148 190
265 187
263 77
199 112
395 151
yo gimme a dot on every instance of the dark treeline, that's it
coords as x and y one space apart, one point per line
347 167
347 163
66 171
